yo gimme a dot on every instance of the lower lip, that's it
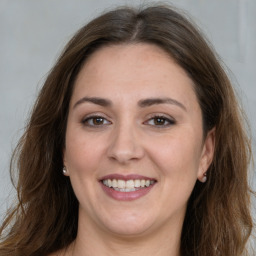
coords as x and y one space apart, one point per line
126 196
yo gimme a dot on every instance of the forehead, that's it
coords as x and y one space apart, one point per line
137 70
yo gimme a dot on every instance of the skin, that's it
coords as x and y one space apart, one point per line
129 140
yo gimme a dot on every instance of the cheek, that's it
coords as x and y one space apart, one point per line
176 160
82 153
82 159
177 156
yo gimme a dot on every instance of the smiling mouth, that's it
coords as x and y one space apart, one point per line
128 185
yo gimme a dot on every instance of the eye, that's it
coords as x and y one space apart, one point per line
160 121
95 121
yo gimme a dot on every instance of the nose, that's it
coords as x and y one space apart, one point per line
125 145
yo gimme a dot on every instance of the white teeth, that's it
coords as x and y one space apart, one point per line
121 184
125 189
137 183
114 183
127 186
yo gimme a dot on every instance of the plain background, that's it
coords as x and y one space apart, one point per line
33 33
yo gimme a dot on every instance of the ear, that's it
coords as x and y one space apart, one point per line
207 155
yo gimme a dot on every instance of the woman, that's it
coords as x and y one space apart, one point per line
135 146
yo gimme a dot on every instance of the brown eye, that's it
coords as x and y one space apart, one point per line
160 121
95 121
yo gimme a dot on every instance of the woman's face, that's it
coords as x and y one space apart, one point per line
134 124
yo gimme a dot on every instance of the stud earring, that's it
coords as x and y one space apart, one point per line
64 170
204 179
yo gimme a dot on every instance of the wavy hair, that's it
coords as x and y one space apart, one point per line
218 219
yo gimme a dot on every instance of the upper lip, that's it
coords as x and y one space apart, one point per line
126 177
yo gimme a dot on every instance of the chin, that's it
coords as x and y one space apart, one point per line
129 230
129 225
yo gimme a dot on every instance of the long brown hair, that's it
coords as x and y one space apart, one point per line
218 219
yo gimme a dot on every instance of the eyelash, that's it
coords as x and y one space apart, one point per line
166 122
92 118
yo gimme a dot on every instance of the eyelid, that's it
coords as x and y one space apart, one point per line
92 116
171 121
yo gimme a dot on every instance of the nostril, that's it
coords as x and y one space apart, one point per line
125 146
124 154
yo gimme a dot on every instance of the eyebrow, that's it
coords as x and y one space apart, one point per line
95 100
142 103
156 101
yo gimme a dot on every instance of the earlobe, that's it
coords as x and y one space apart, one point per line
207 155
204 179
65 170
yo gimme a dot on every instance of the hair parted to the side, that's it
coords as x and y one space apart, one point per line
218 219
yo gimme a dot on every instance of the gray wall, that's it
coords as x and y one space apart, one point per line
32 34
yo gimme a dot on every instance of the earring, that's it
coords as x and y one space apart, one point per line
64 170
204 179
